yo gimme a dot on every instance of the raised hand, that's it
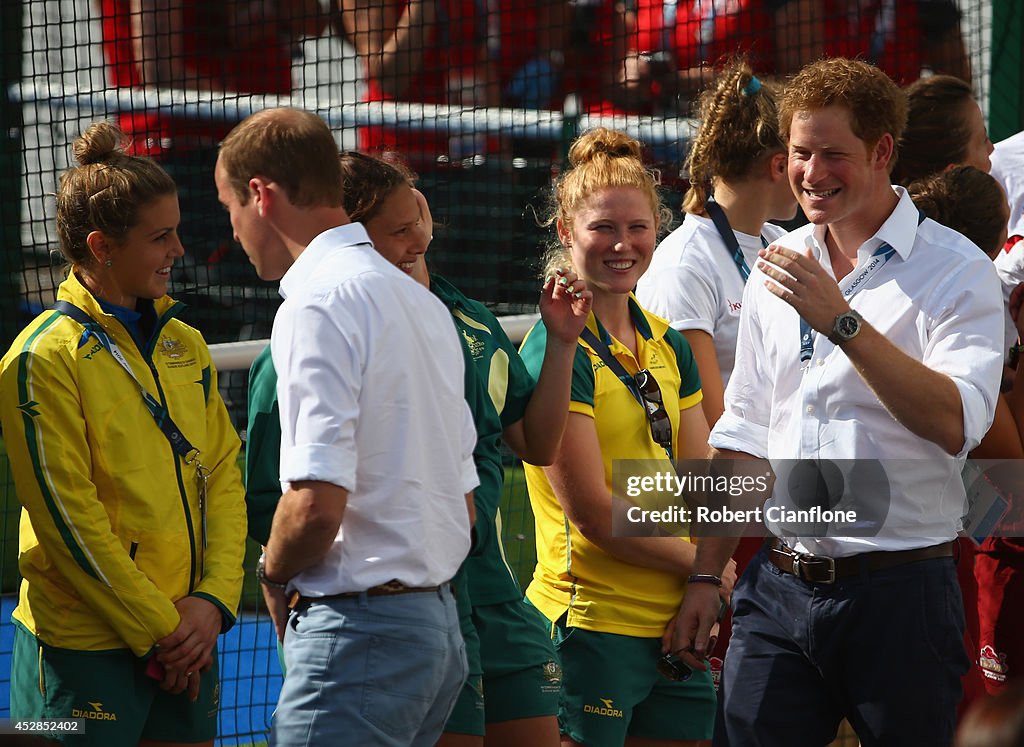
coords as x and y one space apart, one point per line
801 281
565 303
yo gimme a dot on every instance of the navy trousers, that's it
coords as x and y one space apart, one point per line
884 650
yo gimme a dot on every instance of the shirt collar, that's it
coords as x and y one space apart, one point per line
649 326
340 237
898 231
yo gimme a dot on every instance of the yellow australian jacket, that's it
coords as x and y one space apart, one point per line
111 530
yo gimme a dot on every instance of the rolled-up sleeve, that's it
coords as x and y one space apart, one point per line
962 344
317 356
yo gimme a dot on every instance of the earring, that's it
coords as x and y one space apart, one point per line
109 263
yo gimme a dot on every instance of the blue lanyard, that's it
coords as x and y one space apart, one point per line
721 221
181 445
882 255
605 354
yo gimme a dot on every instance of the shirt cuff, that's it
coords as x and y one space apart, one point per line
974 409
320 462
688 325
736 434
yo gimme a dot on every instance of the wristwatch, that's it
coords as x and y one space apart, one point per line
262 575
845 327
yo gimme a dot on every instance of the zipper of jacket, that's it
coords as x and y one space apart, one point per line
147 356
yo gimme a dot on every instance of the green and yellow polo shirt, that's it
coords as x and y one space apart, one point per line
498 389
600 592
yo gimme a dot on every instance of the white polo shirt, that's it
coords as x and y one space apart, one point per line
370 389
694 283
938 300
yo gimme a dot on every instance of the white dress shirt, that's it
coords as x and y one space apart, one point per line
1010 268
694 283
370 389
938 300
1008 170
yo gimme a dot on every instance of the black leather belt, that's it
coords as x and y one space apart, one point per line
821 569
390 588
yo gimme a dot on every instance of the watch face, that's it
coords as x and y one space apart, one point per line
848 326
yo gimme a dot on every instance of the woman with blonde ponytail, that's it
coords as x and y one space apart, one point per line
635 395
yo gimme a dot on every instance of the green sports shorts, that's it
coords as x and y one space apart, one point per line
111 691
611 689
522 676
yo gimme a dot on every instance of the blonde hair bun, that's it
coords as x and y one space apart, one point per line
603 143
99 143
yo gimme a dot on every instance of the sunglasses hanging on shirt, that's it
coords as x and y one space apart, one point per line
644 388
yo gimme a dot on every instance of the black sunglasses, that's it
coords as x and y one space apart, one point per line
661 425
672 668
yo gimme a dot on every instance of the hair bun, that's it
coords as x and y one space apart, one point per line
603 142
100 142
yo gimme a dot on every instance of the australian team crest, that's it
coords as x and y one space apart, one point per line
476 346
552 674
172 348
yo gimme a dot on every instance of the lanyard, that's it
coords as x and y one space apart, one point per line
882 255
732 244
601 348
181 445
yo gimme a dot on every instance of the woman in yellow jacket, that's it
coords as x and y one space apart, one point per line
124 459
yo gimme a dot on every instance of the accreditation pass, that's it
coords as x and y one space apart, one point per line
42 726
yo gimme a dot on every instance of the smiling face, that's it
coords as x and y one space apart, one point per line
398 230
612 239
141 261
837 178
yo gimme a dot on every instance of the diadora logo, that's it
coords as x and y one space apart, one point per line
96 713
29 408
606 709
734 306
598 365
92 351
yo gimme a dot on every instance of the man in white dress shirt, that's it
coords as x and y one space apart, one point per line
376 453
869 342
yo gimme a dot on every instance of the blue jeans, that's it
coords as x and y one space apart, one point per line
381 670
884 650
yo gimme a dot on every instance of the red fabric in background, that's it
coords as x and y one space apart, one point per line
212 53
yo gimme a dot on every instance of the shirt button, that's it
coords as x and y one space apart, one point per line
821 361
810 409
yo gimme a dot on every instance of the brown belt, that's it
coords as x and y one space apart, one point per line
821 569
390 588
